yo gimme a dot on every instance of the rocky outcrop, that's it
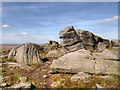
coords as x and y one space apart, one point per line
27 54
90 40
115 42
83 61
73 40
52 42
51 45
87 38
70 40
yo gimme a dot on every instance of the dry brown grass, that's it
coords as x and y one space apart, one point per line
65 78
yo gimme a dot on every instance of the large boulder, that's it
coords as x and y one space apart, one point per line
87 38
90 40
70 40
27 54
82 61
74 62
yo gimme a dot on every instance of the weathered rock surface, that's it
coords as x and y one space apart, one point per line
74 62
23 79
90 40
115 48
115 42
107 67
62 52
3 56
3 85
101 46
27 54
70 40
106 55
53 42
22 85
81 61
81 76
51 45
45 76
107 77
53 54
87 38
20 66
99 86
55 84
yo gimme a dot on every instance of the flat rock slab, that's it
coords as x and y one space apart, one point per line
81 76
106 55
107 77
21 66
22 85
81 61
74 62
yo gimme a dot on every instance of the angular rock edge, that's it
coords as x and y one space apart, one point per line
70 64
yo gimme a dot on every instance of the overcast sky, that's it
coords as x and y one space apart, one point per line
39 22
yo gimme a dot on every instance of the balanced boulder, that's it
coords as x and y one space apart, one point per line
70 40
27 53
87 38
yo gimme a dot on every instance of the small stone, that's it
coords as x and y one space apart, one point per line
45 76
3 84
44 83
23 79
99 86
43 70
81 76
33 83
55 84
107 77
